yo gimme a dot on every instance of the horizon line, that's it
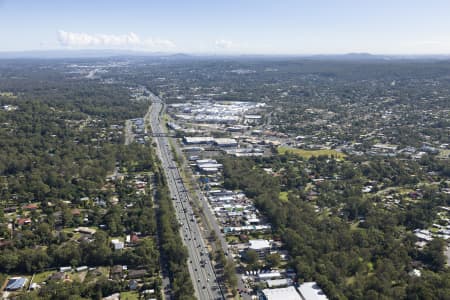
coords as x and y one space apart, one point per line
230 54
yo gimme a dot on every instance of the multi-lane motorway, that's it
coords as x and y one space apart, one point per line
202 273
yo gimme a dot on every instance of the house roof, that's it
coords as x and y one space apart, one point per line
76 212
117 269
30 206
23 221
16 283
86 230
134 238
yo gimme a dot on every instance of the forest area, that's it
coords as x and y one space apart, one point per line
353 248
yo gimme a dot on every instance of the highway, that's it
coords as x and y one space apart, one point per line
202 273
207 209
214 225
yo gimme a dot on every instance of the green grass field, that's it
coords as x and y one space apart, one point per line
283 197
443 154
129 295
40 277
309 153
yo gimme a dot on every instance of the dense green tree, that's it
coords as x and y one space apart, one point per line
273 260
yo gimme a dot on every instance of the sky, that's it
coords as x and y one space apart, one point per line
228 26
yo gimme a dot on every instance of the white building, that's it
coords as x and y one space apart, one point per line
287 293
225 142
81 269
312 291
276 283
198 140
269 275
423 235
117 245
262 247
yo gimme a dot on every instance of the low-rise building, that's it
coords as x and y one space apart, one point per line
311 291
65 269
263 276
225 142
117 245
277 283
198 140
16 283
85 230
287 293
81 269
262 247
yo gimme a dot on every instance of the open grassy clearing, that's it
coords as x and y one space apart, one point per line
444 153
310 153
8 95
283 197
129 295
43 276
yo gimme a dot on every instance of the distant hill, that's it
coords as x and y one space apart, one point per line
375 57
352 57
99 53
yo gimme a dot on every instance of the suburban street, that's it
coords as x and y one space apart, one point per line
202 273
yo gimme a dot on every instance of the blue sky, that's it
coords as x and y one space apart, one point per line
229 26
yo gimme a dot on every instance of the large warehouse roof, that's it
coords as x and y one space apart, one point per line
312 291
287 293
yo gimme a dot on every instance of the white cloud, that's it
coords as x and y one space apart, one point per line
224 44
124 41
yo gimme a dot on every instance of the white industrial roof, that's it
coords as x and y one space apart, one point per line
225 141
253 116
209 165
269 275
255 220
287 293
259 244
198 139
277 282
204 161
311 291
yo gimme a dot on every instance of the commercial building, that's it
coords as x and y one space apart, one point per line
198 140
225 142
312 291
262 247
277 283
287 293
263 276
